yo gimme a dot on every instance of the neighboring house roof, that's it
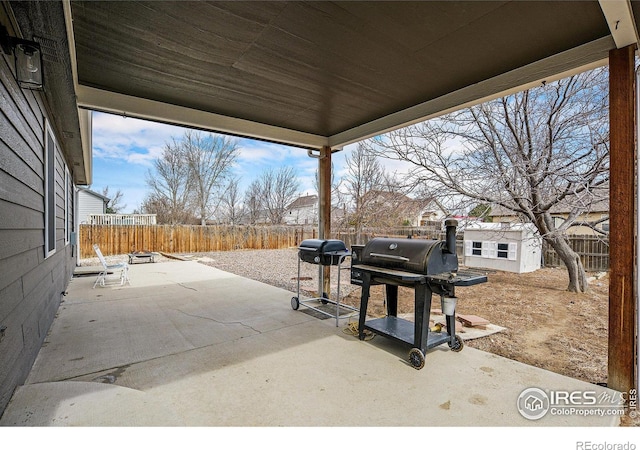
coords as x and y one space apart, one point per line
95 194
305 201
598 202
401 201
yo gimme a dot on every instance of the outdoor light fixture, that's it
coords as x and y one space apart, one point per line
27 58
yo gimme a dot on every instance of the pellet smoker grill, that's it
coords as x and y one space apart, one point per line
429 267
323 252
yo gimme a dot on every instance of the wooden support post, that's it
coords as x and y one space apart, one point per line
324 208
622 219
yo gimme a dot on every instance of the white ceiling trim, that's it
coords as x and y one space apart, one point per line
84 117
577 60
141 108
619 17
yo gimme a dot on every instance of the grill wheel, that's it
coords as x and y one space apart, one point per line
458 345
416 358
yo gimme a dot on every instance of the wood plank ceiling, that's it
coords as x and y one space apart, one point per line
321 73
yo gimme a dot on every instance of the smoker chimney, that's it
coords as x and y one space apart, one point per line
451 225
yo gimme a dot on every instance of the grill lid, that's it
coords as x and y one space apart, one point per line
322 251
422 256
322 246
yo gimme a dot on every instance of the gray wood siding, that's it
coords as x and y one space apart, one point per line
30 284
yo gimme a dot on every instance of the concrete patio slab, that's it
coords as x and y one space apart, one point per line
190 345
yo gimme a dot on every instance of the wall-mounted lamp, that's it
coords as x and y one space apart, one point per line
27 58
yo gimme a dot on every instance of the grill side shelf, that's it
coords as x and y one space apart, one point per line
458 279
465 278
471 280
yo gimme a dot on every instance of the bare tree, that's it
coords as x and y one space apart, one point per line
529 153
364 175
165 214
232 210
389 205
169 184
210 158
253 203
278 190
113 206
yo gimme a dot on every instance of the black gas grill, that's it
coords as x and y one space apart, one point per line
323 252
327 252
427 266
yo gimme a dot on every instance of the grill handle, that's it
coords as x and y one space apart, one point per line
308 249
392 257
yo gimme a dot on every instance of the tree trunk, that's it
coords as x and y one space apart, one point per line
577 276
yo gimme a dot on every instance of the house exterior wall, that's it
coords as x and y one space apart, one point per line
89 204
32 278
307 215
516 250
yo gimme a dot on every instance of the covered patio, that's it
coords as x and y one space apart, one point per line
190 345
322 75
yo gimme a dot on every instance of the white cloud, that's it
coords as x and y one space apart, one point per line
127 139
124 148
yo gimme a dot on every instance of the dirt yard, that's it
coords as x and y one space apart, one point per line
546 326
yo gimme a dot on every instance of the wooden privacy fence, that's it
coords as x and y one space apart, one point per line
593 251
121 239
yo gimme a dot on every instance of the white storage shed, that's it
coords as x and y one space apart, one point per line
512 247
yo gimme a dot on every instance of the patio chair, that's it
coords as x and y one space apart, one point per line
124 274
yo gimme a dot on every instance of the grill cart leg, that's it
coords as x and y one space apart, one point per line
422 311
451 328
456 343
392 299
364 301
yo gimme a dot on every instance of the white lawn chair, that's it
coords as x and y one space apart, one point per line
124 275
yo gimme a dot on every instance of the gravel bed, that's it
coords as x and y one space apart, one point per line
274 267
277 268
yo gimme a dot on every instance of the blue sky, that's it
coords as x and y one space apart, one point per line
124 149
